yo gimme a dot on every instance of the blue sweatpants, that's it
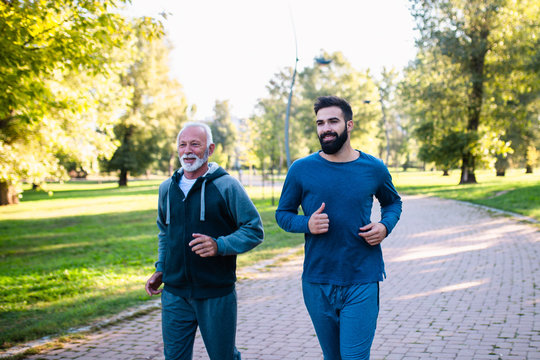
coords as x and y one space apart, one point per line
344 318
216 318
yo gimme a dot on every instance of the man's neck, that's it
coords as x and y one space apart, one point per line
345 154
197 173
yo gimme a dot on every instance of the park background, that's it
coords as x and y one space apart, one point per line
90 110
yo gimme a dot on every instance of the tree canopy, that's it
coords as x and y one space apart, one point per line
461 84
60 63
81 82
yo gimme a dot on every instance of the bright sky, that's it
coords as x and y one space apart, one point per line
230 49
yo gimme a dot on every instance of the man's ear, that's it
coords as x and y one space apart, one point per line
350 125
211 149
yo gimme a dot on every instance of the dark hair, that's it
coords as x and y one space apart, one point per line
327 101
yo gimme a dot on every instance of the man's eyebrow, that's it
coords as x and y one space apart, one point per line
332 118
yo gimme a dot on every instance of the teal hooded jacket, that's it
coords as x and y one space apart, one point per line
218 206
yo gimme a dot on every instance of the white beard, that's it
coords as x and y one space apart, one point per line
197 164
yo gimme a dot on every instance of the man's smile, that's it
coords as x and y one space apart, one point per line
329 137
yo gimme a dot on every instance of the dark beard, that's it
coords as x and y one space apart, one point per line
335 145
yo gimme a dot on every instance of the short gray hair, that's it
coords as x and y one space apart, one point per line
206 128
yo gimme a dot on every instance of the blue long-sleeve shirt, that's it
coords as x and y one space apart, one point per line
340 256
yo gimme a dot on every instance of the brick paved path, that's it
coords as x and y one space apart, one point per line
462 284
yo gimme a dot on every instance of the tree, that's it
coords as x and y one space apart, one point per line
157 109
246 138
462 30
394 124
269 123
489 48
515 84
435 102
44 46
223 130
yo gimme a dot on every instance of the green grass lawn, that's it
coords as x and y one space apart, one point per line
85 252
516 192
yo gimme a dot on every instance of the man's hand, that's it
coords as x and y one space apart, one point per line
373 233
153 284
203 245
318 222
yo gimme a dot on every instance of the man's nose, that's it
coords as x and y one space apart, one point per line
326 128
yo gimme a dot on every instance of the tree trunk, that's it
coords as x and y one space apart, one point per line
475 66
501 164
445 172
528 169
467 170
123 179
8 194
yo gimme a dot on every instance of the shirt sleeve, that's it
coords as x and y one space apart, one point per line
391 205
287 211
250 231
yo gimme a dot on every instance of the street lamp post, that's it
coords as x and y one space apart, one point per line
319 60
288 112
287 151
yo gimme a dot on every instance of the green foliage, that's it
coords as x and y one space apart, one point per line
220 157
42 37
447 151
435 101
515 87
223 130
396 126
474 75
269 123
59 69
157 109
247 138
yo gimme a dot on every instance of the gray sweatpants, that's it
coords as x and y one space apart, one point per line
216 318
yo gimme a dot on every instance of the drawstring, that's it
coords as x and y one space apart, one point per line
168 216
202 216
202 200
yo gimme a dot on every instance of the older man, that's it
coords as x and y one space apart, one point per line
204 218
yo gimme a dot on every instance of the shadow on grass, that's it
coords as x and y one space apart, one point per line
105 189
522 200
424 189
